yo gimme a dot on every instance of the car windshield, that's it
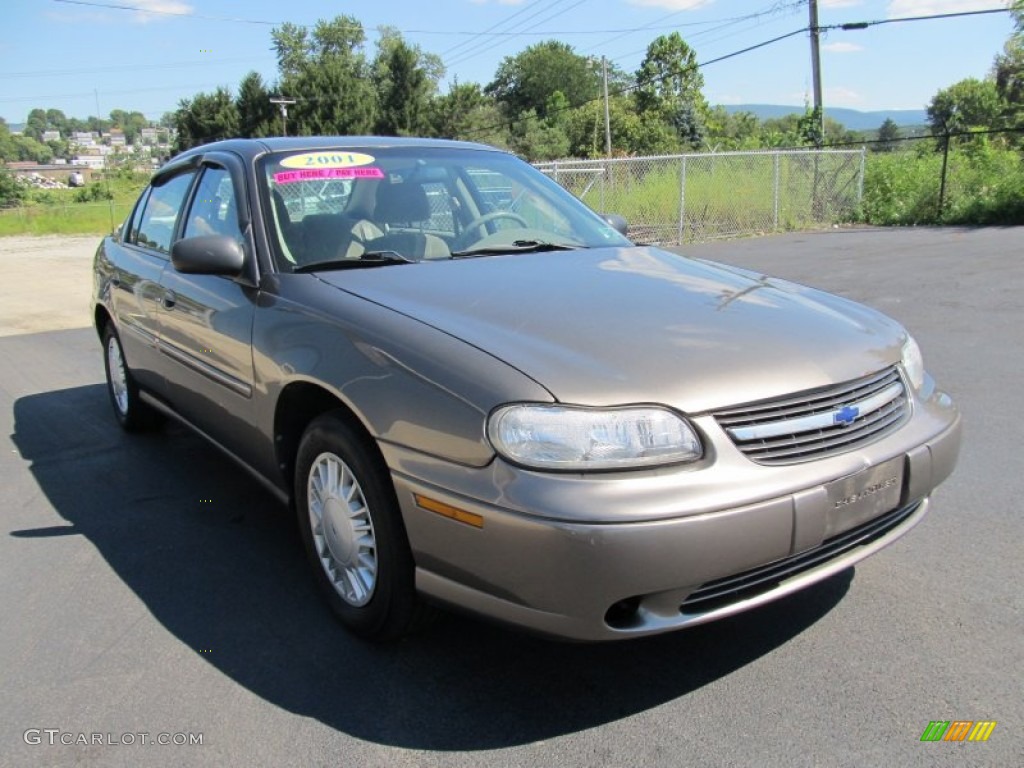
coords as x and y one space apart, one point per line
345 207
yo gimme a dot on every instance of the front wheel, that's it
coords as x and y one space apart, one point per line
352 530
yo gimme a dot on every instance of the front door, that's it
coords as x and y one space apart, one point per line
206 327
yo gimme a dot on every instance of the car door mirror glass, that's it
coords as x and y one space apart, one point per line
208 255
618 223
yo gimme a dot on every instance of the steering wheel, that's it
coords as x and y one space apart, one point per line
481 220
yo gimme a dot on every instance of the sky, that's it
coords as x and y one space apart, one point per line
89 57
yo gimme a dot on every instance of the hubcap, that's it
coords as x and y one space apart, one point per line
342 529
118 376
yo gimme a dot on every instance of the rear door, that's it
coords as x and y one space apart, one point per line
137 263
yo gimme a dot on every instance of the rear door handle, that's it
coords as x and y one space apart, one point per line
169 300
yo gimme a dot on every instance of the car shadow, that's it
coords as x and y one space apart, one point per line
218 562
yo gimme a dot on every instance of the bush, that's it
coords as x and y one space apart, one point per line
12 192
984 185
93 193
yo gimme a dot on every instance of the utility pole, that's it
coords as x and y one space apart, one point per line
283 104
812 7
607 113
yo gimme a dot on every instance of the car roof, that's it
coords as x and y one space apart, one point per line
250 148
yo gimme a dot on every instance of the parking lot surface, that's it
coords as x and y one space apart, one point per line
150 587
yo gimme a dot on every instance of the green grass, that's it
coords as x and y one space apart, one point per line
726 195
64 219
82 211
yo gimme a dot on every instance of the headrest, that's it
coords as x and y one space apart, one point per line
401 203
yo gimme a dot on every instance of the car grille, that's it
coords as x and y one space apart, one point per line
818 423
742 586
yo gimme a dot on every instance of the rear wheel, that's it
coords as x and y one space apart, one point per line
353 533
132 414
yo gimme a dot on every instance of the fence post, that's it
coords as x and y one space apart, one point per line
942 185
775 217
860 180
682 200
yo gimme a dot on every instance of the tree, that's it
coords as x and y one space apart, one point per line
467 113
205 117
527 80
726 131
888 135
969 104
57 120
130 123
632 133
256 115
35 124
326 72
1008 71
405 79
668 86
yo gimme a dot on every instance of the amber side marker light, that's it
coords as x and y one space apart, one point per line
447 510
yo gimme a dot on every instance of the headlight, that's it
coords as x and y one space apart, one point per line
579 439
913 363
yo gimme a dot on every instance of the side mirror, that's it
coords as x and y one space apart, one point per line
616 222
208 255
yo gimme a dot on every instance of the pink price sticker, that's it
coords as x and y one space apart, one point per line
290 177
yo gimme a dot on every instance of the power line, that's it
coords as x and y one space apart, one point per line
134 67
189 14
501 23
483 45
748 49
931 17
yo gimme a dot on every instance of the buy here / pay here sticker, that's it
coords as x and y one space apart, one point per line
288 177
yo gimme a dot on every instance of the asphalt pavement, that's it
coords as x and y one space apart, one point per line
148 586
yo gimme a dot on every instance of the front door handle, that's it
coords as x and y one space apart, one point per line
169 300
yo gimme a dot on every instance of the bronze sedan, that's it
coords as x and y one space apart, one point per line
475 391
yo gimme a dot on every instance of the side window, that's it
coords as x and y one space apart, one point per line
214 208
130 233
156 225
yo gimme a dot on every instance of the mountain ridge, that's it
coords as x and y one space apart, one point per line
852 119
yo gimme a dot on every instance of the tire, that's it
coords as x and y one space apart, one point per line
132 414
353 534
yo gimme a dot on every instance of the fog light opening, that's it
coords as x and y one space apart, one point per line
622 615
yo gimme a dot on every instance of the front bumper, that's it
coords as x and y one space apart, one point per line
609 557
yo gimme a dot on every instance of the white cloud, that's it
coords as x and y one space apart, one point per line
839 47
842 97
159 9
673 5
899 9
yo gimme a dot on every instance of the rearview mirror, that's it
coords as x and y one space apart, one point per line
208 255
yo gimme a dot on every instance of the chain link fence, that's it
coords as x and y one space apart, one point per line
695 197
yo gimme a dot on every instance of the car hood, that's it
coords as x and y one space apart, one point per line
608 326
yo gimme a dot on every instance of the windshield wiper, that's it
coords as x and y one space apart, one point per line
517 246
368 259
